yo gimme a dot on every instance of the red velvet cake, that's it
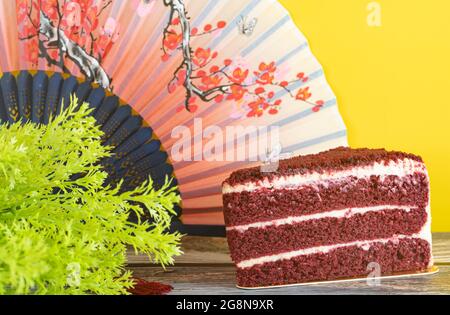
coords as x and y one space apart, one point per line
328 216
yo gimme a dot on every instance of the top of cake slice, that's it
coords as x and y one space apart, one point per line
339 159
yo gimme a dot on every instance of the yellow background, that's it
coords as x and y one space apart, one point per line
392 82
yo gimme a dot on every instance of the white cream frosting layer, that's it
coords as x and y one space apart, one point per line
348 212
400 168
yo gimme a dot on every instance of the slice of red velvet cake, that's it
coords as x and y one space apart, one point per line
329 216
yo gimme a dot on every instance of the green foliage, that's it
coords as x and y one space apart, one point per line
65 234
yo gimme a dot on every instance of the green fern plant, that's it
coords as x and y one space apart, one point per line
65 234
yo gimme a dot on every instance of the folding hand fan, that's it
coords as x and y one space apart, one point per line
220 83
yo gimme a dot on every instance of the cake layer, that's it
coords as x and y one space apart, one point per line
398 168
341 226
354 260
268 204
335 160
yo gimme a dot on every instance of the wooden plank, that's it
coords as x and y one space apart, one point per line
220 280
197 250
441 248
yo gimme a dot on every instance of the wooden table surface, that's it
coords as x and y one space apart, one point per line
206 268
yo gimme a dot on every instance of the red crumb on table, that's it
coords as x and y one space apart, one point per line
143 287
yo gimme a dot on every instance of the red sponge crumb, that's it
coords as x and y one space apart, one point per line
143 287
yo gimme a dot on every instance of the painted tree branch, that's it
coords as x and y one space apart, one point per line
88 65
43 53
177 8
254 91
